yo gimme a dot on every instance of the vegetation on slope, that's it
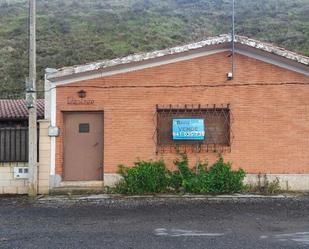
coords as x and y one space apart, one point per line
75 32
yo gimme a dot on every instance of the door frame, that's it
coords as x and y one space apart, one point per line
63 113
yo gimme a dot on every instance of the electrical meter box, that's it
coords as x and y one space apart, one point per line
53 131
21 172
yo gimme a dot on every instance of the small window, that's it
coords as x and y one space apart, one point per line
84 128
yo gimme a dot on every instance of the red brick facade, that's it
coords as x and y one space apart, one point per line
270 117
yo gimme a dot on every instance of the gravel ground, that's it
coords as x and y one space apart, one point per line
154 222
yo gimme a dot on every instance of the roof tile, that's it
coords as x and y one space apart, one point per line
17 109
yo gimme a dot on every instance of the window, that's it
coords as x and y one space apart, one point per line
83 128
14 144
216 121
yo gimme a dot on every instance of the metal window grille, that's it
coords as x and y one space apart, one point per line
217 121
14 144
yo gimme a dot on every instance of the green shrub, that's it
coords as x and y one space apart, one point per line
182 164
222 179
153 177
186 179
175 181
144 177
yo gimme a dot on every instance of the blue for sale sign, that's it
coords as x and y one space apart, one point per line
188 129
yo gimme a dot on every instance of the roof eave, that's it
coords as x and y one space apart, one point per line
136 58
270 48
90 68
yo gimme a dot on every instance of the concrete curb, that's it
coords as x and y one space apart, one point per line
101 197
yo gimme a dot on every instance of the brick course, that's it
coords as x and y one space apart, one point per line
270 122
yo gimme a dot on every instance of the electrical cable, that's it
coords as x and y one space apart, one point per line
214 85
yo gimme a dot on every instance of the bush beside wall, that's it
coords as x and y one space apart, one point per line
153 177
144 177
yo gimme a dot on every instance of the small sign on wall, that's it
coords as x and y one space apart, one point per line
53 131
188 129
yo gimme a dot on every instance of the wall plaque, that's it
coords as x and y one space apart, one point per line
82 99
72 101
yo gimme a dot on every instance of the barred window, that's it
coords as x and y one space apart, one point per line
216 125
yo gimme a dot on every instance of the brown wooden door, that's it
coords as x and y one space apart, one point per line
83 146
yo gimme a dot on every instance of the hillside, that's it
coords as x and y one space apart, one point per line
75 32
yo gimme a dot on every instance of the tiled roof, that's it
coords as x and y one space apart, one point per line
222 39
17 109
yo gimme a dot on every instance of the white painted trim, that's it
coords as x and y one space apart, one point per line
223 39
109 71
53 139
272 61
130 68
47 98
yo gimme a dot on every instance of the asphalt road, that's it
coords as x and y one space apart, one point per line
155 223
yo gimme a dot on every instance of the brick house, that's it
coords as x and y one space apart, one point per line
113 112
